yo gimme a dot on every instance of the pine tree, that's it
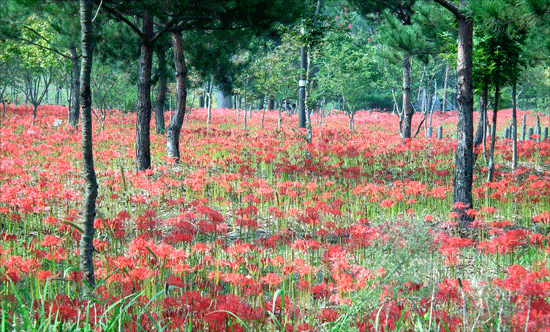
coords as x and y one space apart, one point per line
464 161
186 15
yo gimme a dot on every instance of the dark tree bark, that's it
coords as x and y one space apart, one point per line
161 97
464 163
482 122
514 126
407 107
491 173
143 124
176 122
89 212
74 111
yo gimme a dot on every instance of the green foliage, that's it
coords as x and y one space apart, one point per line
277 72
347 70
31 45
501 34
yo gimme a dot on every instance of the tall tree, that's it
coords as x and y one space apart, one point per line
89 211
503 27
57 36
464 161
403 11
186 15
408 26
162 87
176 122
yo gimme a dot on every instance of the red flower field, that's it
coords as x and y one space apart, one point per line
255 230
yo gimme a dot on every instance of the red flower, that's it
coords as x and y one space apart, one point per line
272 279
50 241
43 274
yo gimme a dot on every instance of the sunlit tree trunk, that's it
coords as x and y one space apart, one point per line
89 211
445 88
176 122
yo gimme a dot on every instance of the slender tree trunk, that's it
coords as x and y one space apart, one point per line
482 120
3 102
302 88
493 136
57 93
161 97
445 88
245 100
74 110
143 124
407 108
309 130
176 122
209 112
89 212
514 126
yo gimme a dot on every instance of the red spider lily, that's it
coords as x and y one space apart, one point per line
507 242
238 248
328 315
532 297
272 279
542 218
310 216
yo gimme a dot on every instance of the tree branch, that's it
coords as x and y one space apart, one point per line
51 49
452 7
118 16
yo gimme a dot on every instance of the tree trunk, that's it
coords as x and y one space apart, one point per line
209 106
176 122
514 127
34 111
407 108
271 103
493 136
161 97
302 88
445 88
482 121
74 110
143 124
464 163
89 212
224 98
